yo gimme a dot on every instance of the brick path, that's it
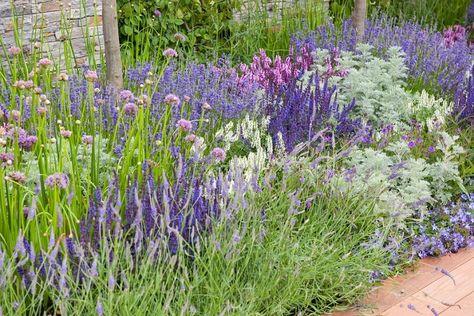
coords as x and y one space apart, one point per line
427 285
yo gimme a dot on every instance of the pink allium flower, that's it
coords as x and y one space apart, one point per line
157 13
65 133
6 159
57 180
206 106
91 75
169 52
172 99
218 153
179 37
22 84
87 139
45 62
130 109
187 98
63 77
14 51
190 138
126 95
41 110
16 115
184 125
17 176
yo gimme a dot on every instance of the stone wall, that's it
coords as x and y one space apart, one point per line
59 23
273 7
63 22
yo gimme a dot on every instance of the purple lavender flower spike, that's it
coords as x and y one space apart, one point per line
446 273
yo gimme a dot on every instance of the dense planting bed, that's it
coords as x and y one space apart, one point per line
281 187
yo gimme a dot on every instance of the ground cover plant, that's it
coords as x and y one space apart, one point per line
285 185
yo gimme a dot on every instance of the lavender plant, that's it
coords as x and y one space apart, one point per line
432 66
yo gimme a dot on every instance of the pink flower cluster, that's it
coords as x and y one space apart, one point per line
172 99
184 125
169 52
218 154
332 63
453 34
274 74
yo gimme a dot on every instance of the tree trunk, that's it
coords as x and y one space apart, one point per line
358 17
113 59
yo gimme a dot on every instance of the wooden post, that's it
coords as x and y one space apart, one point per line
358 17
113 58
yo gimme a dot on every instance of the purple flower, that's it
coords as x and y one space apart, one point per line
99 308
45 62
17 176
184 125
169 52
179 37
111 282
190 138
454 34
130 109
14 50
218 154
172 99
87 139
65 133
411 144
91 75
6 159
126 95
157 13
57 180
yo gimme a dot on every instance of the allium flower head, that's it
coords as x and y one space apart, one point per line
190 138
87 139
41 110
130 109
16 115
157 13
17 176
172 99
206 106
218 153
45 62
22 84
6 159
126 95
169 52
65 133
63 76
57 180
184 125
91 75
180 37
14 51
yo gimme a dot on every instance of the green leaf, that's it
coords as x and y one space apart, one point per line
127 30
179 14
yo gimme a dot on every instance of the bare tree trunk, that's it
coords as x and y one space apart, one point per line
112 44
358 17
